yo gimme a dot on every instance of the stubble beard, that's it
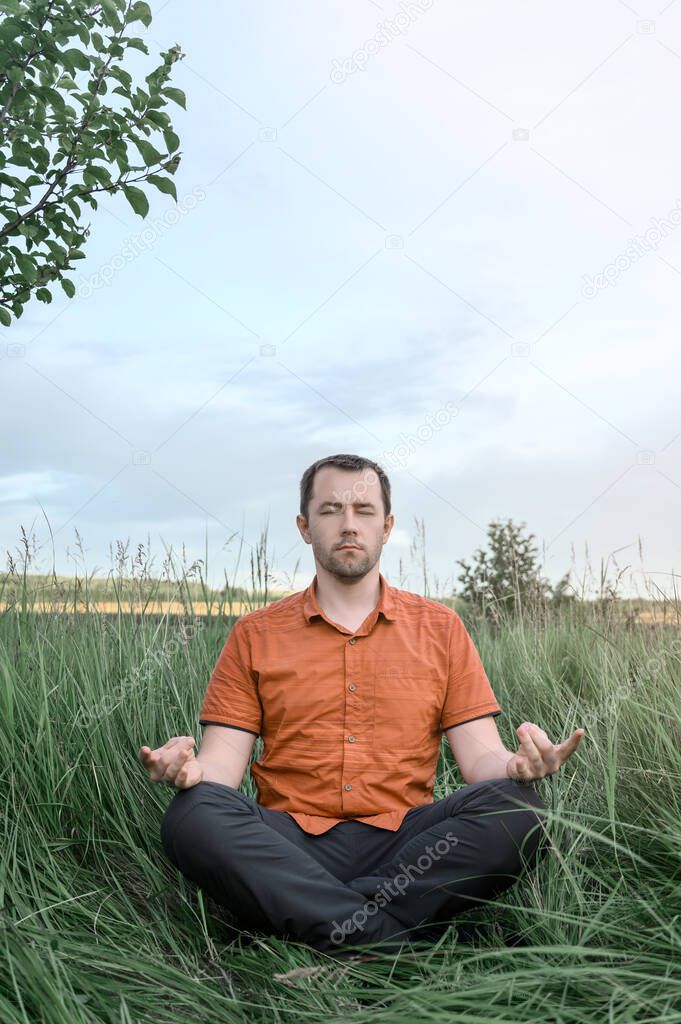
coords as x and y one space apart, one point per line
346 566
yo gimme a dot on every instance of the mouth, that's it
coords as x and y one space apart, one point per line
349 547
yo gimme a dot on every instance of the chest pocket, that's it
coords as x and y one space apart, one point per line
407 708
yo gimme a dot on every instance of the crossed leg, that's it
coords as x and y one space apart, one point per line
469 846
275 877
218 839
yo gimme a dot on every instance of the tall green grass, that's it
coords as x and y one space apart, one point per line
96 925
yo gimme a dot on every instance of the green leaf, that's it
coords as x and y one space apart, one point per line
43 295
171 140
158 118
27 268
137 199
42 158
123 76
68 286
141 12
73 58
96 174
58 251
166 185
73 206
137 44
150 154
5 318
22 153
177 96
110 14
139 100
55 98
83 33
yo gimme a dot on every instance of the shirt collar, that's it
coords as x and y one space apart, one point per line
386 601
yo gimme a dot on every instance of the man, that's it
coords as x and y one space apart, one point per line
350 683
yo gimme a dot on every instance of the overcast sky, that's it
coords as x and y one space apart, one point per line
441 236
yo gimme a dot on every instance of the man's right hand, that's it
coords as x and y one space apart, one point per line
173 763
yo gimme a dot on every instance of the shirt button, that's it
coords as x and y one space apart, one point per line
352 640
351 739
348 786
352 687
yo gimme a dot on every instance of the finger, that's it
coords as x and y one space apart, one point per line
548 751
179 739
520 769
572 742
175 765
539 737
183 759
545 751
167 773
533 756
172 745
568 747
148 756
155 765
183 751
554 755
182 776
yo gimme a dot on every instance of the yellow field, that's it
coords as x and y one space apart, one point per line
655 614
134 607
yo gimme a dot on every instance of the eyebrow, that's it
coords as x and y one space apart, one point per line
362 504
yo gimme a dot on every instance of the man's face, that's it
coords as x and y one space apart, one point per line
346 507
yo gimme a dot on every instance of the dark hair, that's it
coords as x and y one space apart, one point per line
342 462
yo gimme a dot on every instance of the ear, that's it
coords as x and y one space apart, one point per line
304 528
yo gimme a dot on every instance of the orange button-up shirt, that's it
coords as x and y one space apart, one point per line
351 722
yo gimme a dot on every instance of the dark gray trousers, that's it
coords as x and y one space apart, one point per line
355 884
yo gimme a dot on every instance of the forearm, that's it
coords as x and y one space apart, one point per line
490 765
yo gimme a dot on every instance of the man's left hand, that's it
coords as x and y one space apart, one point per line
537 756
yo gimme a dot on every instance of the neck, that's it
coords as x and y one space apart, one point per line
348 598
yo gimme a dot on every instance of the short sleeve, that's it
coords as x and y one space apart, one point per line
469 691
231 697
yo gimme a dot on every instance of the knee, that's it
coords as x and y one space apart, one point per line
524 797
181 823
511 816
526 794
524 827
192 819
170 823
